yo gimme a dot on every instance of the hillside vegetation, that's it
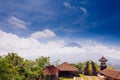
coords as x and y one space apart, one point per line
14 67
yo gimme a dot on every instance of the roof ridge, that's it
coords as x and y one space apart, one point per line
67 66
62 64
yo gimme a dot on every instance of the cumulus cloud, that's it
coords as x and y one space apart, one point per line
11 42
43 34
26 46
84 10
32 48
18 23
98 48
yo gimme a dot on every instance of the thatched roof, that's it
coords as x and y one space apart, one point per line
66 67
114 74
50 70
103 59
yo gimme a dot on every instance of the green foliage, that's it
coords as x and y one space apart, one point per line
65 78
88 68
110 67
14 67
43 61
7 71
91 68
80 66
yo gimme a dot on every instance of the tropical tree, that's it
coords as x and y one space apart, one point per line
7 71
13 58
86 69
43 61
91 68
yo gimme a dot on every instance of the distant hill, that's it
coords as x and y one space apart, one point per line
73 44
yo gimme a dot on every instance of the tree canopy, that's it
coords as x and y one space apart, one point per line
14 67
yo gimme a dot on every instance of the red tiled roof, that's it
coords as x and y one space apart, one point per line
50 70
114 74
67 67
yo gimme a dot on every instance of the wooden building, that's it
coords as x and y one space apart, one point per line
51 72
111 74
103 61
67 70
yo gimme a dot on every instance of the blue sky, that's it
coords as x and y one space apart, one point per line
70 20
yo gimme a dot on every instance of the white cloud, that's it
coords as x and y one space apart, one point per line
84 10
32 48
15 22
11 42
43 34
99 48
66 4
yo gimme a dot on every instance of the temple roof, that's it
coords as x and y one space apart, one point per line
66 67
103 59
50 70
114 74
